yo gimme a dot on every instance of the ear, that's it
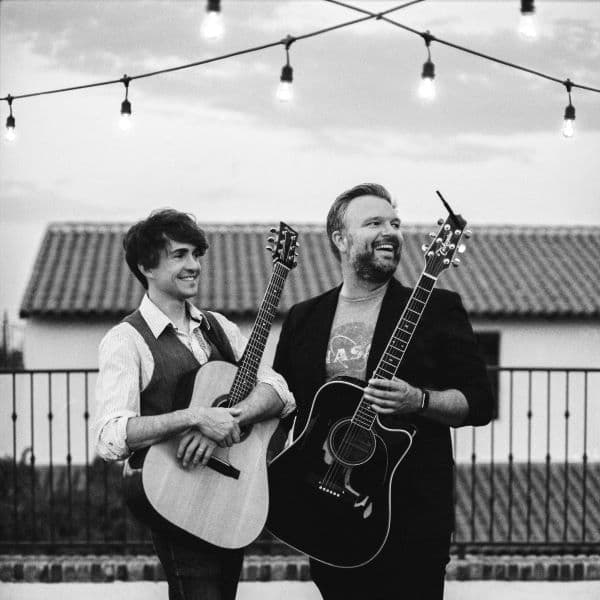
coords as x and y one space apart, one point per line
147 273
340 240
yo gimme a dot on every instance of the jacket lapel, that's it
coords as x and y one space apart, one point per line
317 336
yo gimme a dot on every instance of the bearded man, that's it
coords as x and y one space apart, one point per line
442 383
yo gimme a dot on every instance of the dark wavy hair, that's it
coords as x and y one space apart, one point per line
144 242
335 217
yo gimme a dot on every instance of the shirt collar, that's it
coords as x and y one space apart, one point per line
158 321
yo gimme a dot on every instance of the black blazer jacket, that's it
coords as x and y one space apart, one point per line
443 354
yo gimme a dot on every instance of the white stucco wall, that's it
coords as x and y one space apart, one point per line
72 345
541 344
545 343
63 343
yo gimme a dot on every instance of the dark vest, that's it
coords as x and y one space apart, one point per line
175 366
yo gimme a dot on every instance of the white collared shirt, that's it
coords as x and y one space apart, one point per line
126 367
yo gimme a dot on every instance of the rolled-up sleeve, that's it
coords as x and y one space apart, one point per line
265 374
117 393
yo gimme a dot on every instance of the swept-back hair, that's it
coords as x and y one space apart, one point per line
144 242
335 217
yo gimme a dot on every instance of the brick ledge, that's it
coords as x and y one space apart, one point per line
109 568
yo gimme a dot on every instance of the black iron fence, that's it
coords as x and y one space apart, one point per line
528 482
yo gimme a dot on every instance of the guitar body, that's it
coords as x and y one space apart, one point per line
331 489
224 503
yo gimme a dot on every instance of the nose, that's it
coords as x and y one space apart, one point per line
192 262
392 229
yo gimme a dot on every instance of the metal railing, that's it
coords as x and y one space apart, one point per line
528 482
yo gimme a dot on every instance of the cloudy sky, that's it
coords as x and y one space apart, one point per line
214 141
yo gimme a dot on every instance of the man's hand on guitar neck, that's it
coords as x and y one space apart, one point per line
397 397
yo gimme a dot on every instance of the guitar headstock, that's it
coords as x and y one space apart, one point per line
284 247
440 253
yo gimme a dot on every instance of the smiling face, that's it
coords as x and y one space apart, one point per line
370 242
177 274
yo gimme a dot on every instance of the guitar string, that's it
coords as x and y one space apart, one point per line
246 375
354 431
253 352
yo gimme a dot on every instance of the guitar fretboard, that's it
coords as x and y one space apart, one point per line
245 378
364 416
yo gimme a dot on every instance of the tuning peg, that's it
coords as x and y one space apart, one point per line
270 239
452 246
446 261
461 248
424 247
297 245
269 248
273 230
432 234
446 227
440 221
468 233
455 262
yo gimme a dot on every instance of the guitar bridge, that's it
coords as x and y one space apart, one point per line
333 490
225 468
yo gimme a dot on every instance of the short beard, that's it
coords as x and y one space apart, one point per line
368 269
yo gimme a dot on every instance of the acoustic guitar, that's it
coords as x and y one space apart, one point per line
330 490
226 502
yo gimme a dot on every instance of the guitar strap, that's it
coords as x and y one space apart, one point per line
217 338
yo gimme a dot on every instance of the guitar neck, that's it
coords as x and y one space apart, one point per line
364 416
245 378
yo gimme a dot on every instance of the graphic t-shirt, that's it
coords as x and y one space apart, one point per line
351 334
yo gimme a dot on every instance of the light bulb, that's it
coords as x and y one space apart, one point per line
212 25
527 26
10 133
285 91
569 118
427 89
125 121
567 128
427 85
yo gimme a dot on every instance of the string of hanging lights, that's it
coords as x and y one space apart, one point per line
284 91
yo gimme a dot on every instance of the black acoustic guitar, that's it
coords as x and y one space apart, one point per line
330 490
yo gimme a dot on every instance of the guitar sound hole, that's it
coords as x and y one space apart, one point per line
350 444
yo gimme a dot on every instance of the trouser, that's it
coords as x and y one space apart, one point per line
409 570
197 570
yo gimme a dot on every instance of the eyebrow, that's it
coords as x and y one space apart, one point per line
177 250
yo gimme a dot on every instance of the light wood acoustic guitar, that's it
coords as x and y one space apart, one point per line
226 502
337 475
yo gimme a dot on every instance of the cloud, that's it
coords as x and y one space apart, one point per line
420 148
